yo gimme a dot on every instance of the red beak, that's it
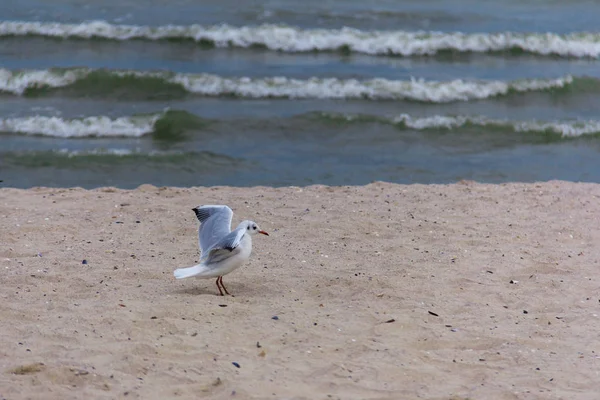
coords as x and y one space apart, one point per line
263 232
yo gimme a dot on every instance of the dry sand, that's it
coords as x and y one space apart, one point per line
381 292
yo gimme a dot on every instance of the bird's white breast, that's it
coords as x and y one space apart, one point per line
246 247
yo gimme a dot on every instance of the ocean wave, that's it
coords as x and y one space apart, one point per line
169 125
103 152
291 39
564 129
148 84
100 126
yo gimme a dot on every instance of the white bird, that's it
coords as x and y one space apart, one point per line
222 250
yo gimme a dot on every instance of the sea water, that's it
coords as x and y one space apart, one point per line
199 93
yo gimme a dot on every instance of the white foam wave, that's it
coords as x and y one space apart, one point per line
563 128
98 152
283 87
101 126
566 129
375 89
137 126
18 82
292 39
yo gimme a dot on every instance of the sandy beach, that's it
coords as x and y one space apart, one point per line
384 291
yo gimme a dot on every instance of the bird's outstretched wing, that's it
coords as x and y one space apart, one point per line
224 247
215 224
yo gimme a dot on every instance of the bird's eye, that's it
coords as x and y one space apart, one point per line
254 228
248 228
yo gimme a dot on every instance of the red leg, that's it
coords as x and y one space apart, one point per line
222 284
219 287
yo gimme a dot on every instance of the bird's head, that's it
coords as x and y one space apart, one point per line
252 227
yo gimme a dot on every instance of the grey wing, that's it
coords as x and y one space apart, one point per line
215 223
226 247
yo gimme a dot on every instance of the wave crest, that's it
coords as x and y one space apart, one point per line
100 126
169 124
85 81
291 39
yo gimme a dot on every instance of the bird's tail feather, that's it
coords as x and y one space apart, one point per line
188 272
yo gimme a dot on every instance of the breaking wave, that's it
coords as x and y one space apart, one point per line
291 39
169 124
147 85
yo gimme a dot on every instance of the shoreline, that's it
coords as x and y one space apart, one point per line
466 290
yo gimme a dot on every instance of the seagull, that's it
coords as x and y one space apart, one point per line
222 250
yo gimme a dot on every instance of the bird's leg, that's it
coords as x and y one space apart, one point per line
222 284
219 287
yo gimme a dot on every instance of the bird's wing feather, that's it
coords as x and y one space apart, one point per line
215 224
225 246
